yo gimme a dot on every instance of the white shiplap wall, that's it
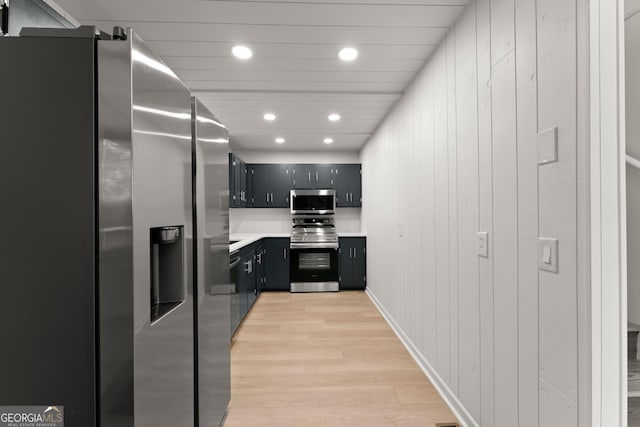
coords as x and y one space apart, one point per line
457 155
632 44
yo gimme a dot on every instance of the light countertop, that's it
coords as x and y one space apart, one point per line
244 239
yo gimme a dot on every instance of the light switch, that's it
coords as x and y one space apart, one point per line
548 146
548 254
483 243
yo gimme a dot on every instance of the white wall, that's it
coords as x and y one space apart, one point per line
255 220
632 56
457 155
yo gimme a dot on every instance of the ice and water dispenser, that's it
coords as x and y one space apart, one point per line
167 270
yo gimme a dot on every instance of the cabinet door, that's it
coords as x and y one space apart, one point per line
281 184
235 299
355 185
252 289
277 278
353 262
302 176
261 185
359 262
234 182
241 182
323 177
260 268
346 266
249 200
341 184
246 282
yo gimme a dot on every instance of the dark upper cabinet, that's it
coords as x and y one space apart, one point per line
267 185
271 184
348 185
281 184
303 176
310 176
353 262
261 188
324 176
237 182
277 269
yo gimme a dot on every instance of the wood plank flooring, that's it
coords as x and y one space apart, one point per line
326 359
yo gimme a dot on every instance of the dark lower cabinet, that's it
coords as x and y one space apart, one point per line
277 267
261 267
353 263
247 282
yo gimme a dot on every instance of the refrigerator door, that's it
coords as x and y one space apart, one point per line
162 234
47 257
211 151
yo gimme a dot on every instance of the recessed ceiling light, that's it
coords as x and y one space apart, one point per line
279 140
334 117
328 140
241 52
269 117
348 54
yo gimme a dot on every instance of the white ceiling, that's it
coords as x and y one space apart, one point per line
295 72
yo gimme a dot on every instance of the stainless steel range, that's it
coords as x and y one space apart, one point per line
314 253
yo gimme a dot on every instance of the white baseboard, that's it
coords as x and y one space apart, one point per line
445 392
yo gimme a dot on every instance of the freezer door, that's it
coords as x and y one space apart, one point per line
162 242
211 150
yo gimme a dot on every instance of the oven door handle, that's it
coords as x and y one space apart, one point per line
327 245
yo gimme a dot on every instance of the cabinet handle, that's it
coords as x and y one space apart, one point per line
249 267
309 177
355 253
316 176
350 253
271 197
267 194
284 253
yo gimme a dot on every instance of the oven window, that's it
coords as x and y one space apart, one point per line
314 261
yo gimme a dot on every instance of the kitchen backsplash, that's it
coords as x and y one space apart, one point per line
270 220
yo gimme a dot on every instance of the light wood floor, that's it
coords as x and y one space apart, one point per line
326 359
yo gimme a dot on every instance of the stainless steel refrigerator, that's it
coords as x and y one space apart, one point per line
115 306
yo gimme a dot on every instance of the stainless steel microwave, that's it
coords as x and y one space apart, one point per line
313 202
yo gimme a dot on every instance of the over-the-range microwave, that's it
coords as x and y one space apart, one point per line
319 202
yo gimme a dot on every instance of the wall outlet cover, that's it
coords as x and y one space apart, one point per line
483 244
548 146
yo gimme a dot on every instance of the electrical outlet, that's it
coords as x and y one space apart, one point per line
483 244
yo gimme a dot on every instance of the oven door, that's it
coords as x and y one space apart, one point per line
314 269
